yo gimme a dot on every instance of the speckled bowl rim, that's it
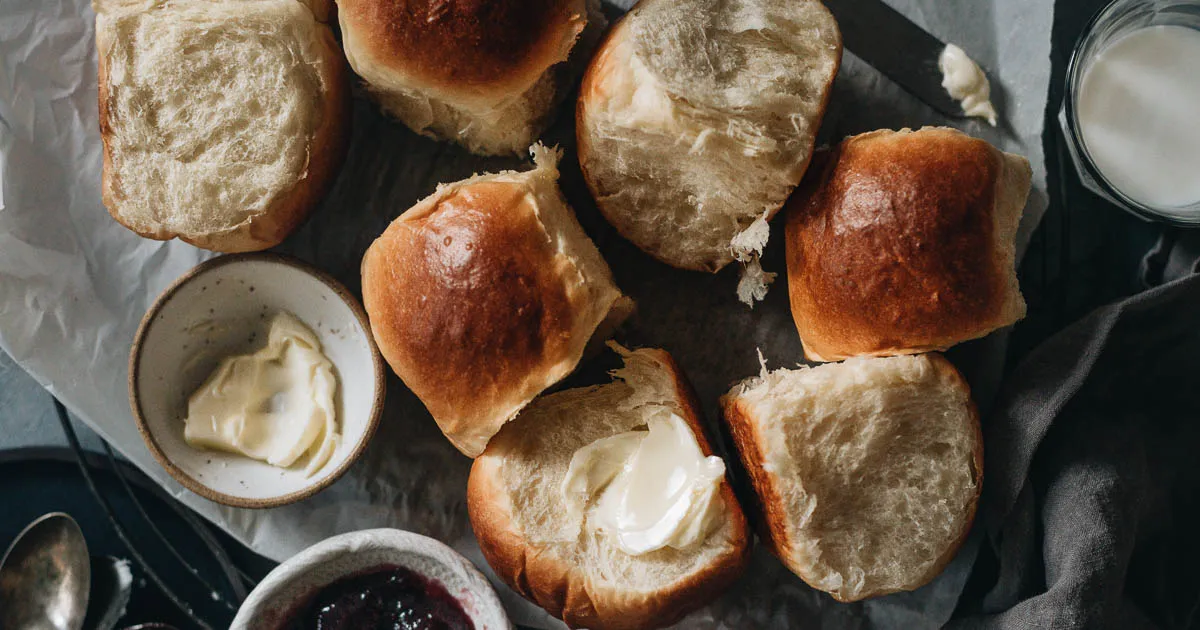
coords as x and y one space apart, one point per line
135 402
280 582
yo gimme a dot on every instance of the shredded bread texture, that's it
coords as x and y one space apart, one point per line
875 463
697 120
212 109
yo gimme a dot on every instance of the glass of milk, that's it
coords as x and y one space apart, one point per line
1131 114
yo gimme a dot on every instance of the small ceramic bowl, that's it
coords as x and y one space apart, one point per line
294 582
223 307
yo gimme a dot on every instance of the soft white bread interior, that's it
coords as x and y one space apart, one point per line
224 122
486 75
697 118
901 242
549 554
484 294
867 472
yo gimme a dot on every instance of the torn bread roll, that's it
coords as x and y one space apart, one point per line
867 472
546 501
697 118
486 75
902 242
224 122
484 294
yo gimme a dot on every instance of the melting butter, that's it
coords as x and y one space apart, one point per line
967 84
274 405
647 489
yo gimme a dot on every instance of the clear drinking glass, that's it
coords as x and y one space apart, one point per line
1120 18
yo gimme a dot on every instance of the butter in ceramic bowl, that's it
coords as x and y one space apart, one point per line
255 381
274 404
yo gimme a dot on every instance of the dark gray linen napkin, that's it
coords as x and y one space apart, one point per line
1092 469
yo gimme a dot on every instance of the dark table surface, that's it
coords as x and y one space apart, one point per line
1085 253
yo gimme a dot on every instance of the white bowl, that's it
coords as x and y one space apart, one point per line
220 308
294 582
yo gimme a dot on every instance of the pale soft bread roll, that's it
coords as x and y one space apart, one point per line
486 75
224 122
484 294
902 242
697 118
867 472
552 557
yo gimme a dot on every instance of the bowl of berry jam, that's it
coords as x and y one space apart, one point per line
374 579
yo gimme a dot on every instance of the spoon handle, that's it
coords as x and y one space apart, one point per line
73 440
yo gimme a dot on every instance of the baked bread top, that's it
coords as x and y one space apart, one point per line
484 294
475 49
902 242
478 72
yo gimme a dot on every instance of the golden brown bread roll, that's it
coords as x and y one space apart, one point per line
483 74
904 242
486 293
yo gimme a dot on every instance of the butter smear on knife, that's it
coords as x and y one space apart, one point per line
967 84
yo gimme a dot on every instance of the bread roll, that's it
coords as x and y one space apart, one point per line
224 122
904 242
483 74
867 472
549 554
484 294
697 118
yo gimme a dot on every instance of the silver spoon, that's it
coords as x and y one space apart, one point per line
45 576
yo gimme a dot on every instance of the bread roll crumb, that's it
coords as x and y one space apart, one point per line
545 552
868 472
223 122
692 133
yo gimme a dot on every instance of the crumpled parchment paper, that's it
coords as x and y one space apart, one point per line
74 285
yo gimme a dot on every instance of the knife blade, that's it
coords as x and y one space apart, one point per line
901 50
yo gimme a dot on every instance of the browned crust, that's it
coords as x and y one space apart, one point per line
891 246
327 151
593 78
541 576
470 305
772 511
469 46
